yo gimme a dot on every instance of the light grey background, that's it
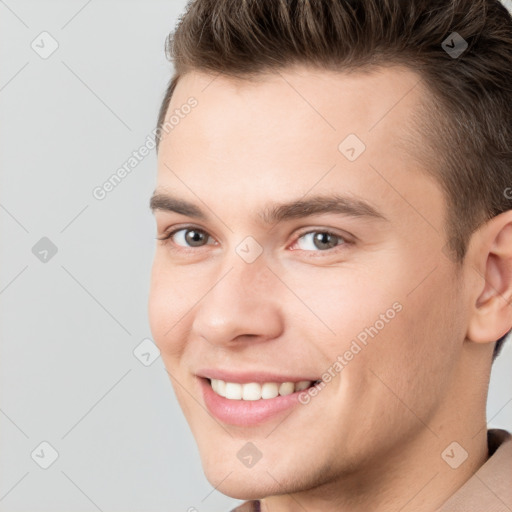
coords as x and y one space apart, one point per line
69 325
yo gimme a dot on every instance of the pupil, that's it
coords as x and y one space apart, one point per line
194 238
324 240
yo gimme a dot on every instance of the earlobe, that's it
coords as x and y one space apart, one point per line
491 315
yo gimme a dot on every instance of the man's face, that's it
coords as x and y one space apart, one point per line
351 282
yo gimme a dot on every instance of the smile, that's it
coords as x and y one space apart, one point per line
250 398
257 391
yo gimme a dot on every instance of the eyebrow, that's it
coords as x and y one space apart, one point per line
173 204
316 205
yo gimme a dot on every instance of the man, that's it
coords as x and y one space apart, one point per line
334 263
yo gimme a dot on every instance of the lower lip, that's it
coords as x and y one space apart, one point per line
245 413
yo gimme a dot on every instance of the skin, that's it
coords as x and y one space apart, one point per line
372 439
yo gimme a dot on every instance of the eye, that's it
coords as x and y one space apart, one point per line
188 237
319 241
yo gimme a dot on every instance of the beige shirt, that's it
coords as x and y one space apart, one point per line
488 490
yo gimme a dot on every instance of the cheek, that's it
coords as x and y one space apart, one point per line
167 310
390 339
348 303
408 365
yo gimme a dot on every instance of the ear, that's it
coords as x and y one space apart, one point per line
490 254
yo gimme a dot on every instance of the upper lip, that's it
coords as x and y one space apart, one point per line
250 376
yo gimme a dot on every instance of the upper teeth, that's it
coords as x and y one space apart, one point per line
256 391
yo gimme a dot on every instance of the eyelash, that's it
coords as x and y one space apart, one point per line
166 239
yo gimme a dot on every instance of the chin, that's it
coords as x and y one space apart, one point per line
244 485
265 478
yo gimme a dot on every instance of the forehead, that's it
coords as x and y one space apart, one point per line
286 134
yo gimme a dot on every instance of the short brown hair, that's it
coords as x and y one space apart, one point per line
466 122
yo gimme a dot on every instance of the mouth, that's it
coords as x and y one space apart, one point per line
257 400
253 391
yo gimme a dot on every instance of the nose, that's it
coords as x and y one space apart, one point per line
243 304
